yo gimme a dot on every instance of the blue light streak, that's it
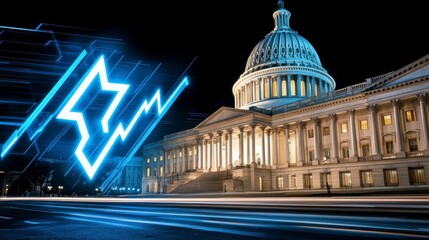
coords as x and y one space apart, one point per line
66 113
18 133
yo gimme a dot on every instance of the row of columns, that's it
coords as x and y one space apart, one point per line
255 90
208 154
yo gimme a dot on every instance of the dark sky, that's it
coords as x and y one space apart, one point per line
354 39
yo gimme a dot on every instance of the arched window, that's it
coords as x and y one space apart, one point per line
249 100
275 89
303 90
257 91
266 89
316 89
293 87
284 87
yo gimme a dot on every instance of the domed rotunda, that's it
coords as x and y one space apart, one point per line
282 68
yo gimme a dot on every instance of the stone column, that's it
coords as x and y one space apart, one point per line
275 147
279 86
263 144
248 146
353 140
316 139
184 159
300 149
230 148
206 155
253 145
220 149
177 160
424 140
269 162
241 143
287 154
334 138
165 163
211 153
399 139
375 147
194 156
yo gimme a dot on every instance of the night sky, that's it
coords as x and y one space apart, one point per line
354 39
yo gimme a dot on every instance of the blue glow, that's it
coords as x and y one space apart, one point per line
18 133
66 113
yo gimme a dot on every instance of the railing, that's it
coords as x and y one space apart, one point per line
415 154
388 156
364 158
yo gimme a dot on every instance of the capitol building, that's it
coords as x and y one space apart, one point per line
292 130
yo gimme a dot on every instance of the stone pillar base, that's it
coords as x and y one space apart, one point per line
353 159
426 152
334 160
376 157
315 162
299 164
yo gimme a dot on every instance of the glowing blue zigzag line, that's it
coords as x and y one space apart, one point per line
67 114
18 133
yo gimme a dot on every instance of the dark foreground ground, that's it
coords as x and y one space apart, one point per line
370 217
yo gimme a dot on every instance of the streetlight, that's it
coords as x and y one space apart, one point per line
60 188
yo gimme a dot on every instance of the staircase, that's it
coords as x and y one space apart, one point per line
203 183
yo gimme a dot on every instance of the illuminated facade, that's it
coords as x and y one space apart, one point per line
290 130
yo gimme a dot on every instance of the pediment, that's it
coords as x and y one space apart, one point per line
415 70
224 113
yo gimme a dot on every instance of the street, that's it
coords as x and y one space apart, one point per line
215 218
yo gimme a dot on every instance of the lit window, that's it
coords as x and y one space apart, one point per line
389 147
161 171
280 182
387 119
190 153
310 133
366 178
275 89
325 131
344 128
154 159
148 160
161 158
257 91
284 87
412 142
327 152
292 88
180 154
148 172
249 100
308 180
363 124
346 179
303 88
266 90
316 89
391 177
365 150
325 180
417 175
261 186
293 181
410 115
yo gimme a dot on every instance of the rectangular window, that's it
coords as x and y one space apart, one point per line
391 177
180 154
284 87
280 182
410 115
293 181
412 142
161 158
155 172
366 179
292 88
266 90
190 153
363 124
344 128
275 88
308 181
148 172
345 151
303 88
417 175
389 147
310 133
311 155
327 152
387 119
325 180
261 184
346 179
161 171
257 90
154 159
325 131
148 160
365 150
